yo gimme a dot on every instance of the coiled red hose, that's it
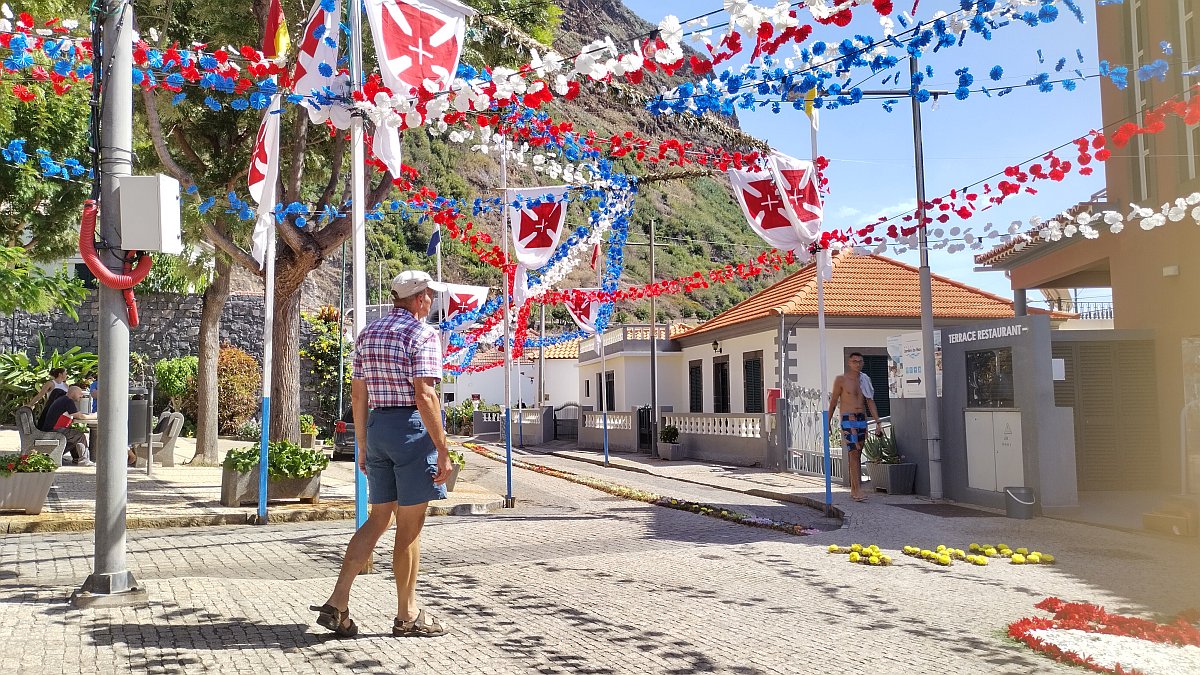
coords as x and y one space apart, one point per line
121 282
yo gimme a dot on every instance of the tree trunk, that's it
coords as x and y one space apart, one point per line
206 373
285 370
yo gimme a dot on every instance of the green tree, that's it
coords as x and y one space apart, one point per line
25 285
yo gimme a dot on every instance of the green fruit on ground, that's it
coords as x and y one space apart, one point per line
1023 551
973 547
1018 559
1047 558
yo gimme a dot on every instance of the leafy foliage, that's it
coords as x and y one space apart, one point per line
307 424
457 458
284 460
669 434
460 418
881 449
24 285
323 353
239 380
34 462
175 376
22 376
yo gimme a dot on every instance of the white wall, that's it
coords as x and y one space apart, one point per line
804 366
631 380
736 349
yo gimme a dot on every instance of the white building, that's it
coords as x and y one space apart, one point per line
560 378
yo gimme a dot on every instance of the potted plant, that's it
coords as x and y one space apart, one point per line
292 473
457 462
668 443
886 467
25 481
308 431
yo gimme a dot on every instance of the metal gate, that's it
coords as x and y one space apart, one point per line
566 422
644 418
805 454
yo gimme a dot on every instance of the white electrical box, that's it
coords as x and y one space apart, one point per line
150 213
995 457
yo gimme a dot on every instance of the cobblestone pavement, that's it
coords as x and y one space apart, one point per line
572 581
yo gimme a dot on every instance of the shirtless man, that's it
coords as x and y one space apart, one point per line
848 395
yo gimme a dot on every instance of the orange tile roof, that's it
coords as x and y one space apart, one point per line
562 350
864 286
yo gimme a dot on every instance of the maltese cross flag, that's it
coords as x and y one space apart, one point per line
316 64
263 177
766 210
462 299
417 41
584 307
797 180
536 228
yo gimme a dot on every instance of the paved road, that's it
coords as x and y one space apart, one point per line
573 581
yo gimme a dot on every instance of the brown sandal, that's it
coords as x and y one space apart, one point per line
335 620
422 626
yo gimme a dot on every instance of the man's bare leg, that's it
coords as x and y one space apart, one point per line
406 559
358 552
854 457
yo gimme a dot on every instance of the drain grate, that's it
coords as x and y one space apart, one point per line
947 510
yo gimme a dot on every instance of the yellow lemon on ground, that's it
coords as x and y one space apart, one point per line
925 553
1047 558
941 547
1034 558
1002 546
980 560
1018 559
1023 551
854 556
874 560
990 552
856 547
833 548
973 547
1037 553
887 560
944 559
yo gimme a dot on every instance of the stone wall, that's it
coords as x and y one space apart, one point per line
170 327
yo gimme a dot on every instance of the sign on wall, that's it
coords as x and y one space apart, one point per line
906 365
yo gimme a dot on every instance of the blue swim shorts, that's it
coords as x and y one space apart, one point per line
401 458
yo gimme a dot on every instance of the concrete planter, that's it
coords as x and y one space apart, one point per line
895 479
25 491
242 488
307 440
453 477
671 451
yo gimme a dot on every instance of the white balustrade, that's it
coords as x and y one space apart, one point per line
620 421
717 424
496 416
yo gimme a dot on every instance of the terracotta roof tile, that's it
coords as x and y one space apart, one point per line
864 286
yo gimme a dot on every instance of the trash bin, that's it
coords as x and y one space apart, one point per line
1020 502
139 411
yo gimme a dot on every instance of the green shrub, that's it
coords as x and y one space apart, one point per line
307 424
34 462
457 458
322 352
669 434
174 377
239 382
460 418
881 448
284 460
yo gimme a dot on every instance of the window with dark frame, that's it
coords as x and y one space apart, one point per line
696 386
721 385
610 390
752 379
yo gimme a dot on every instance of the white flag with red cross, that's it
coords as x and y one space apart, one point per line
797 181
584 307
262 178
536 223
417 42
764 208
317 64
461 299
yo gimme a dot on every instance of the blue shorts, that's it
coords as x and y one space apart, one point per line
401 458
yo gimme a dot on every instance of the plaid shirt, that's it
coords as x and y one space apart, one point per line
390 352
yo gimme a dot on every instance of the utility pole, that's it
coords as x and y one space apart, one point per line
111 583
653 356
929 368
359 236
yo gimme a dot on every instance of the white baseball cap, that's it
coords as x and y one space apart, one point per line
410 282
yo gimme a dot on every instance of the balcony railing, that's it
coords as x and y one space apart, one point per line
628 338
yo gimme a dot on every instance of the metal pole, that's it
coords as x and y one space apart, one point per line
604 398
932 412
342 341
653 356
542 360
150 429
509 502
824 356
264 437
358 216
111 582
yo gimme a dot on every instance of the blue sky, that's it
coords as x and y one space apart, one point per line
871 150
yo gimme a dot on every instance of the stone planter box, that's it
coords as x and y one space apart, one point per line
670 451
25 491
307 440
895 479
242 488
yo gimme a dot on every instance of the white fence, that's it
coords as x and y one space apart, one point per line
744 439
622 431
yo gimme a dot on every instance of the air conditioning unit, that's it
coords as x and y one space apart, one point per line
150 218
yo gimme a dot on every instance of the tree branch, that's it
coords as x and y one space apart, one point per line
221 240
332 235
299 145
181 138
335 170
160 144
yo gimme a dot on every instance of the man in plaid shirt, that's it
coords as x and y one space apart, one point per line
401 448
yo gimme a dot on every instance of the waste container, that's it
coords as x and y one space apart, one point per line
139 411
1020 502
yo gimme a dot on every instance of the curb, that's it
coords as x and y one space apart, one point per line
801 500
335 510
